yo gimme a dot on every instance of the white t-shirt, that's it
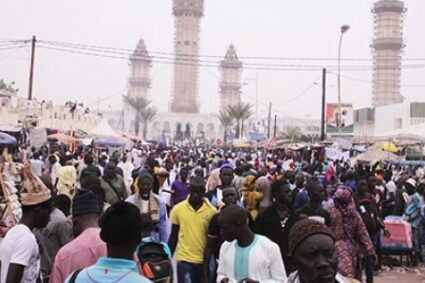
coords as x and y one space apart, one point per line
20 247
37 166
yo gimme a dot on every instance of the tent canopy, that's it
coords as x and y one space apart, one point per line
7 139
104 129
373 156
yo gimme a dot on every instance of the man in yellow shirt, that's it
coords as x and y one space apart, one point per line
190 220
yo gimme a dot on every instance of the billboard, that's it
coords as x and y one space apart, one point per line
335 122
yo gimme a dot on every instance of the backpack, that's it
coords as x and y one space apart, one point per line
155 262
369 216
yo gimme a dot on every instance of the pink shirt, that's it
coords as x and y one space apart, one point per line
80 253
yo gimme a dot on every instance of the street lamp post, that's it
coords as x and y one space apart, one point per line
344 29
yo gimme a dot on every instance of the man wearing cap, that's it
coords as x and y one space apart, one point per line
226 177
121 231
19 251
312 248
245 256
87 247
152 204
113 184
190 220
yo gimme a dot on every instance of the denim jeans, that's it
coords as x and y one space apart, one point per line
189 272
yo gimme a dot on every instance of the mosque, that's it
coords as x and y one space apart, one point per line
183 121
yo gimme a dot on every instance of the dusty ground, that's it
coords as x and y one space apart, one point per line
401 274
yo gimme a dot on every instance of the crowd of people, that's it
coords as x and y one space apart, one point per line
192 215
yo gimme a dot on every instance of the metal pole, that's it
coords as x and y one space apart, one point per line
269 120
344 29
31 67
338 121
275 126
322 129
257 96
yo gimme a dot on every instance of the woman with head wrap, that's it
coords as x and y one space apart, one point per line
251 196
351 237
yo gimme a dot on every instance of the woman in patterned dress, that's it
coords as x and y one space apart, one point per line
351 237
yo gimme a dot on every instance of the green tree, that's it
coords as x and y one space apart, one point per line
292 133
226 121
139 105
9 87
148 116
240 112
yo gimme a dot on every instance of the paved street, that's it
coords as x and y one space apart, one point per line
405 275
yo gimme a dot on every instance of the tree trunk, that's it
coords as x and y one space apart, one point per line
137 125
242 129
238 128
225 136
145 130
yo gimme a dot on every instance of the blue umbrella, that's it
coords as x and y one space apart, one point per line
7 139
109 141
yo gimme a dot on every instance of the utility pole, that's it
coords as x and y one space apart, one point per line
322 125
269 120
31 67
275 126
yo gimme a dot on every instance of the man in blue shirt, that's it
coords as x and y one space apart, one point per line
121 230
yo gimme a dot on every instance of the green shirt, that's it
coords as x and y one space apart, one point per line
114 188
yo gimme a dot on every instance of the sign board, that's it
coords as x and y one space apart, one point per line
256 136
336 123
38 137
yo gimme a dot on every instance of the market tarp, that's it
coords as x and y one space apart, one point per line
10 128
373 156
7 139
389 146
63 138
109 141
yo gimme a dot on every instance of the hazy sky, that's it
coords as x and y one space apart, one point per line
262 28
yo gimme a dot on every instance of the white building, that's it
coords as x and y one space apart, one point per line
369 122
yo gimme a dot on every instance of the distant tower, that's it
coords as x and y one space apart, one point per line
140 64
230 86
139 81
187 15
387 51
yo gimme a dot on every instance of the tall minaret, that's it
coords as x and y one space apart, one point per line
187 15
387 51
230 86
140 65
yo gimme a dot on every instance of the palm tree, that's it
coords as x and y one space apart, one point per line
226 121
247 113
240 112
139 104
148 116
292 133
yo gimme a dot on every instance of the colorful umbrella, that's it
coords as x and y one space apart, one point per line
7 139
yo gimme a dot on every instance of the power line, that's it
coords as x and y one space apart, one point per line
192 59
97 47
194 62
370 82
